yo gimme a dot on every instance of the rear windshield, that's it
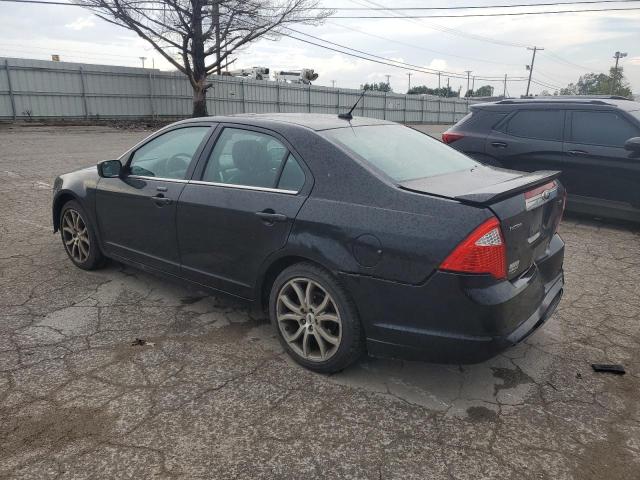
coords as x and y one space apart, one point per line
400 152
635 113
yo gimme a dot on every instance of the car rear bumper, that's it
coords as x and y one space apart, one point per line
457 318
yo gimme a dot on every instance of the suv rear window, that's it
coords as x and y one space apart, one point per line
539 124
601 128
400 152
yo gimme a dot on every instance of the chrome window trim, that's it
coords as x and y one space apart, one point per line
176 180
218 184
245 187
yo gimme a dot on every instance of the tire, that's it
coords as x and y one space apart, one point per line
79 238
327 343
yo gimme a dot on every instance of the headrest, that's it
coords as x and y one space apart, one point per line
249 155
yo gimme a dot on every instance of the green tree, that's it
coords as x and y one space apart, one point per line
484 91
599 84
440 92
377 87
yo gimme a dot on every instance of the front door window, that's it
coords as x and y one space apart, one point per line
169 155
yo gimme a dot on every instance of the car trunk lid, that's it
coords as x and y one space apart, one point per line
528 205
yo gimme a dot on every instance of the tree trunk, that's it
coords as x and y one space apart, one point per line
200 100
199 71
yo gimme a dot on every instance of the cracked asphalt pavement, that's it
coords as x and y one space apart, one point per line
212 395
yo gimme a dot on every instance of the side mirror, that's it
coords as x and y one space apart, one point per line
633 145
110 169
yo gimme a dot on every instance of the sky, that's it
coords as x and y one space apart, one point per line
574 43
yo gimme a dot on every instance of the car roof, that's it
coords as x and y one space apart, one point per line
313 121
563 101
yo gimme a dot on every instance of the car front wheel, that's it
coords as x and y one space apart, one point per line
316 321
78 237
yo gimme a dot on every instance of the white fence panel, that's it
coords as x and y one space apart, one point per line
43 89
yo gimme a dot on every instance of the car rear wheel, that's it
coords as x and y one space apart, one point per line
316 321
78 237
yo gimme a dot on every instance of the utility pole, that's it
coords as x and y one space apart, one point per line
333 83
409 75
438 80
473 85
468 76
504 91
143 59
448 87
617 56
388 82
533 59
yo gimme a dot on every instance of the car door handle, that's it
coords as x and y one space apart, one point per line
577 153
161 200
499 144
269 216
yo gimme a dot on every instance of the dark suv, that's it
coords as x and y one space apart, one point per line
594 141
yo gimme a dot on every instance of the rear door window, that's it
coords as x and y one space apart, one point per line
538 124
601 128
252 159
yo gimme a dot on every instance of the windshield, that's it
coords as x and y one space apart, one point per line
400 152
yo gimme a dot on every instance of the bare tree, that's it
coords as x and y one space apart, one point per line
202 37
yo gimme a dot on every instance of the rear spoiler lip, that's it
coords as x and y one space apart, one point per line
496 192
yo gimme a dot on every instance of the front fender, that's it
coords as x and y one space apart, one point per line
80 186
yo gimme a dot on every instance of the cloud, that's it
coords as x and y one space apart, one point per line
438 64
81 23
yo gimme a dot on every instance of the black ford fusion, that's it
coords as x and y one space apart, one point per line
357 235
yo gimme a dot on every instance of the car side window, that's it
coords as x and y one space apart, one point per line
538 124
245 157
292 177
601 128
169 155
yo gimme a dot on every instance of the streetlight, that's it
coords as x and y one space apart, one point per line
143 59
617 56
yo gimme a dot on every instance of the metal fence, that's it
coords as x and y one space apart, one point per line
44 89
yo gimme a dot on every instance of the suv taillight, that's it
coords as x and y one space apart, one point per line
483 251
450 137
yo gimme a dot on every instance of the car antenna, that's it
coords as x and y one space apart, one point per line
348 116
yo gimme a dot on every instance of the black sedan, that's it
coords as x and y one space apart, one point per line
355 234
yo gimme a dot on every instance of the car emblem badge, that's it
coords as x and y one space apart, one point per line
546 194
514 266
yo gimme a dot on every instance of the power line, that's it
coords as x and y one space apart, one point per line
451 31
558 59
382 8
400 65
447 30
411 66
471 15
445 54
473 7
432 71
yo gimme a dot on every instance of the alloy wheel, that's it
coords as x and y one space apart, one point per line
75 236
308 319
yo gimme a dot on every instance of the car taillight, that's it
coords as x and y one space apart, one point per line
483 251
450 137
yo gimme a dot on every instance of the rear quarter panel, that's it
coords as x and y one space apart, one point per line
392 242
